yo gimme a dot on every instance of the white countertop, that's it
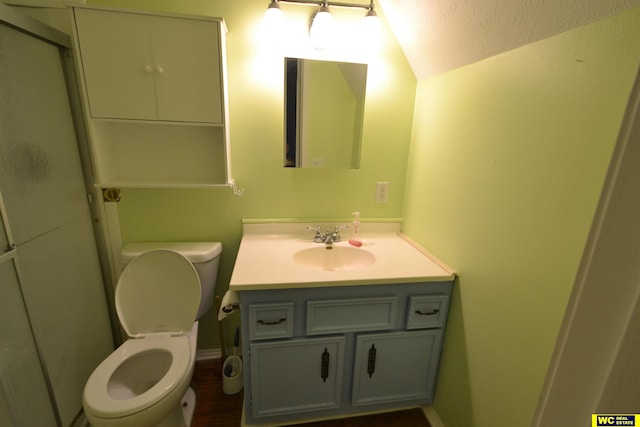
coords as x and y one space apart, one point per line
265 258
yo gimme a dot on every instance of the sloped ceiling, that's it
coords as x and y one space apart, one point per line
440 35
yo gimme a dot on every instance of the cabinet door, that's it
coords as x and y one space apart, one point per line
395 367
296 376
115 49
147 67
187 60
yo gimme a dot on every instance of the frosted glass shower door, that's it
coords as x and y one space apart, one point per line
24 400
59 276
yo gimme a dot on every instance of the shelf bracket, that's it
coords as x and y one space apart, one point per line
232 184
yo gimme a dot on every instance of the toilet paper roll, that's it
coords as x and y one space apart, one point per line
230 303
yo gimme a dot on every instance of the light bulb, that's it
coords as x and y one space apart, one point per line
372 31
321 32
272 23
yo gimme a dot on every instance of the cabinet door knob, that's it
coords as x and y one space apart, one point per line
148 68
159 69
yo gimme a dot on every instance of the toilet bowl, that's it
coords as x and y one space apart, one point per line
142 383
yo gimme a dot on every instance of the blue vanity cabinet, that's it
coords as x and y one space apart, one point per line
295 376
395 367
334 351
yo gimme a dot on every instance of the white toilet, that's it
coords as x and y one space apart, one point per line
162 291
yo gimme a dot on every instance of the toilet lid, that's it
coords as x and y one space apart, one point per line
158 291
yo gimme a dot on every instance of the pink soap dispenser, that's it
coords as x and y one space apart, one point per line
355 235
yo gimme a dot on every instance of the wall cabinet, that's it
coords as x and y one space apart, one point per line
322 352
155 93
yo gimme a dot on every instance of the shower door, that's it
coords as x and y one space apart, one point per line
24 399
54 322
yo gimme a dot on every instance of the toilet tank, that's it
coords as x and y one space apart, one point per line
204 256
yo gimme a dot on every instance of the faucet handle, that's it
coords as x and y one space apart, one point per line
336 232
318 236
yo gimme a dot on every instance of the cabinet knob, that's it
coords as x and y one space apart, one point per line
159 69
148 68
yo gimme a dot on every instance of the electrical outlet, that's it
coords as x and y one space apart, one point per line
382 192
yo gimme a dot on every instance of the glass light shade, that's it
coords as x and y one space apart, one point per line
372 32
321 32
272 23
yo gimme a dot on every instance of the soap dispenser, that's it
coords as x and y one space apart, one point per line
355 235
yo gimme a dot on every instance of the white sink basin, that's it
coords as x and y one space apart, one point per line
334 258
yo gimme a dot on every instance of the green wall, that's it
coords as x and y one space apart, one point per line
507 160
256 126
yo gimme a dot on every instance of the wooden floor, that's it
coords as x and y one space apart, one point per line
216 409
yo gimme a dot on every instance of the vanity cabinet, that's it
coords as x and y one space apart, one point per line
154 89
296 376
395 367
335 351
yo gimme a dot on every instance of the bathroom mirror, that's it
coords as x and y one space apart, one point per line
324 110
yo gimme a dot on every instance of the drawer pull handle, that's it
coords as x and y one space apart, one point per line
271 322
324 366
427 313
371 363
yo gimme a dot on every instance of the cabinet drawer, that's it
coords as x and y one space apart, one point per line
356 314
268 321
427 311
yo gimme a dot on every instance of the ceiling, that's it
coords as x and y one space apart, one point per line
440 35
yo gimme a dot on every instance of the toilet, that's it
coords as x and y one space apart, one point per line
162 292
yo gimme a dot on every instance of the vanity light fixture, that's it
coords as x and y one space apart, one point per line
273 16
321 30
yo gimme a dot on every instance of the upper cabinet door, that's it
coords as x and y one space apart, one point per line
188 79
147 67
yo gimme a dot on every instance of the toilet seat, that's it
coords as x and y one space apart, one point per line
100 403
157 299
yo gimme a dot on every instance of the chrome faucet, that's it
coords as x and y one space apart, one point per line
329 237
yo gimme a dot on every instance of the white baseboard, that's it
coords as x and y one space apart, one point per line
432 416
58 4
208 353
